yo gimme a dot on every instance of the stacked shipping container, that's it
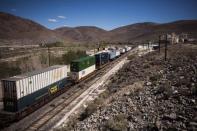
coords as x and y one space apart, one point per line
82 67
23 90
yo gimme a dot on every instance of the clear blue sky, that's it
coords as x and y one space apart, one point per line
107 14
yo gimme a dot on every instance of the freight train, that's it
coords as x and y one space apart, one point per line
22 92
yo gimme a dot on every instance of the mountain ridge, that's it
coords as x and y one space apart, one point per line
18 28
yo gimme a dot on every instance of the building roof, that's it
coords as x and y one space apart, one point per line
29 74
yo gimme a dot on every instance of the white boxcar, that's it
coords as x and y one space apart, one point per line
83 73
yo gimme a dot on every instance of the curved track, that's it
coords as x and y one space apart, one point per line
73 93
43 117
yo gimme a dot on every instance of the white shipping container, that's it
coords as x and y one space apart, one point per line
34 81
129 48
117 53
79 75
122 50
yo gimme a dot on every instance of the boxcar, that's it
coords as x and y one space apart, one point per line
101 59
23 90
82 67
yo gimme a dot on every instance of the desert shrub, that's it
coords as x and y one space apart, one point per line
104 94
72 55
7 71
92 107
68 127
88 111
55 44
43 58
54 60
131 57
166 89
146 65
194 90
118 123
155 77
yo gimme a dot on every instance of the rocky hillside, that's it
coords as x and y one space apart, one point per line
20 29
151 31
83 33
148 93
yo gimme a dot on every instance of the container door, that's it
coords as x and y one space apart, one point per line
10 96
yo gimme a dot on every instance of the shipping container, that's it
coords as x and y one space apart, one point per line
76 76
117 53
82 67
122 50
101 59
112 54
23 90
127 48
82 63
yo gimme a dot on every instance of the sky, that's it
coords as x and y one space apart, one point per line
106 14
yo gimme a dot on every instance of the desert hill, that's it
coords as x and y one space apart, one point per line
14 28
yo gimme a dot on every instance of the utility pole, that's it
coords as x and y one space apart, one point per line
149 44
166 46
49 56
159 42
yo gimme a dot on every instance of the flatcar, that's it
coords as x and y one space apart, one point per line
82 67
23 90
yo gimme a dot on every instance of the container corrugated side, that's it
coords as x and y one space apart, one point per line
27 90
101 58
83 73
117 53
112 54
83 63
34 83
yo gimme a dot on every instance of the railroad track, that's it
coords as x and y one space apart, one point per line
71 95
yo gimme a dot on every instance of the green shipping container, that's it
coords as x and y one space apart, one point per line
82 63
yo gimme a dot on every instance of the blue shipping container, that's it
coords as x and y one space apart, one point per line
32 98
101 59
